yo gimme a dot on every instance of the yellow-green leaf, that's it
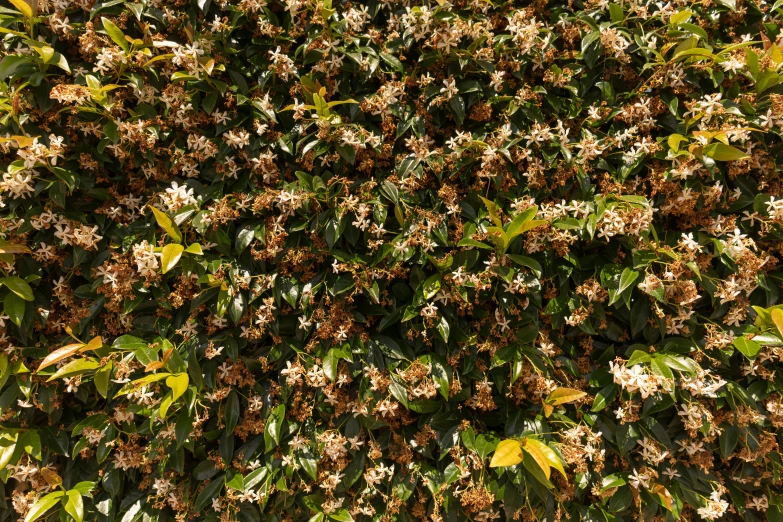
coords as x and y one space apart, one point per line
74 505
43 505
508 453
75 367
167 224
102 378
159 58
165 404
680 17
178 384
11 31
195 249
674 141
493 211
171 254
720 152
115 33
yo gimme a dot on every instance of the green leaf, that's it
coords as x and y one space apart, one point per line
30 442
457 105
274 424
14 307
308 463
341 516
494 212
522 222
331 362
747 347
208 493
431 286
128 342
232 411
529 262
115 33
18 286
614 480
102 378
171 255
444 329
616 13
74 505
167 224
43 505
728 440
659 367
627 279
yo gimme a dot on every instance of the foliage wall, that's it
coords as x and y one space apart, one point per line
334 261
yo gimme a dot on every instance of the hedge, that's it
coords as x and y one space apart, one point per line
347 261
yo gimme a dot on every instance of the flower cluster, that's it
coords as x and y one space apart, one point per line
314 260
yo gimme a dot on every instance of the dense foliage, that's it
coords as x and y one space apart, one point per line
332 261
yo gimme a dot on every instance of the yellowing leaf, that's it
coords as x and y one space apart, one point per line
51 477
60 354
23 7
138 383
165 404
551 457
94 344
171 254
777 318
24 141
9 248
533 448
663 494
508 453
564 396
